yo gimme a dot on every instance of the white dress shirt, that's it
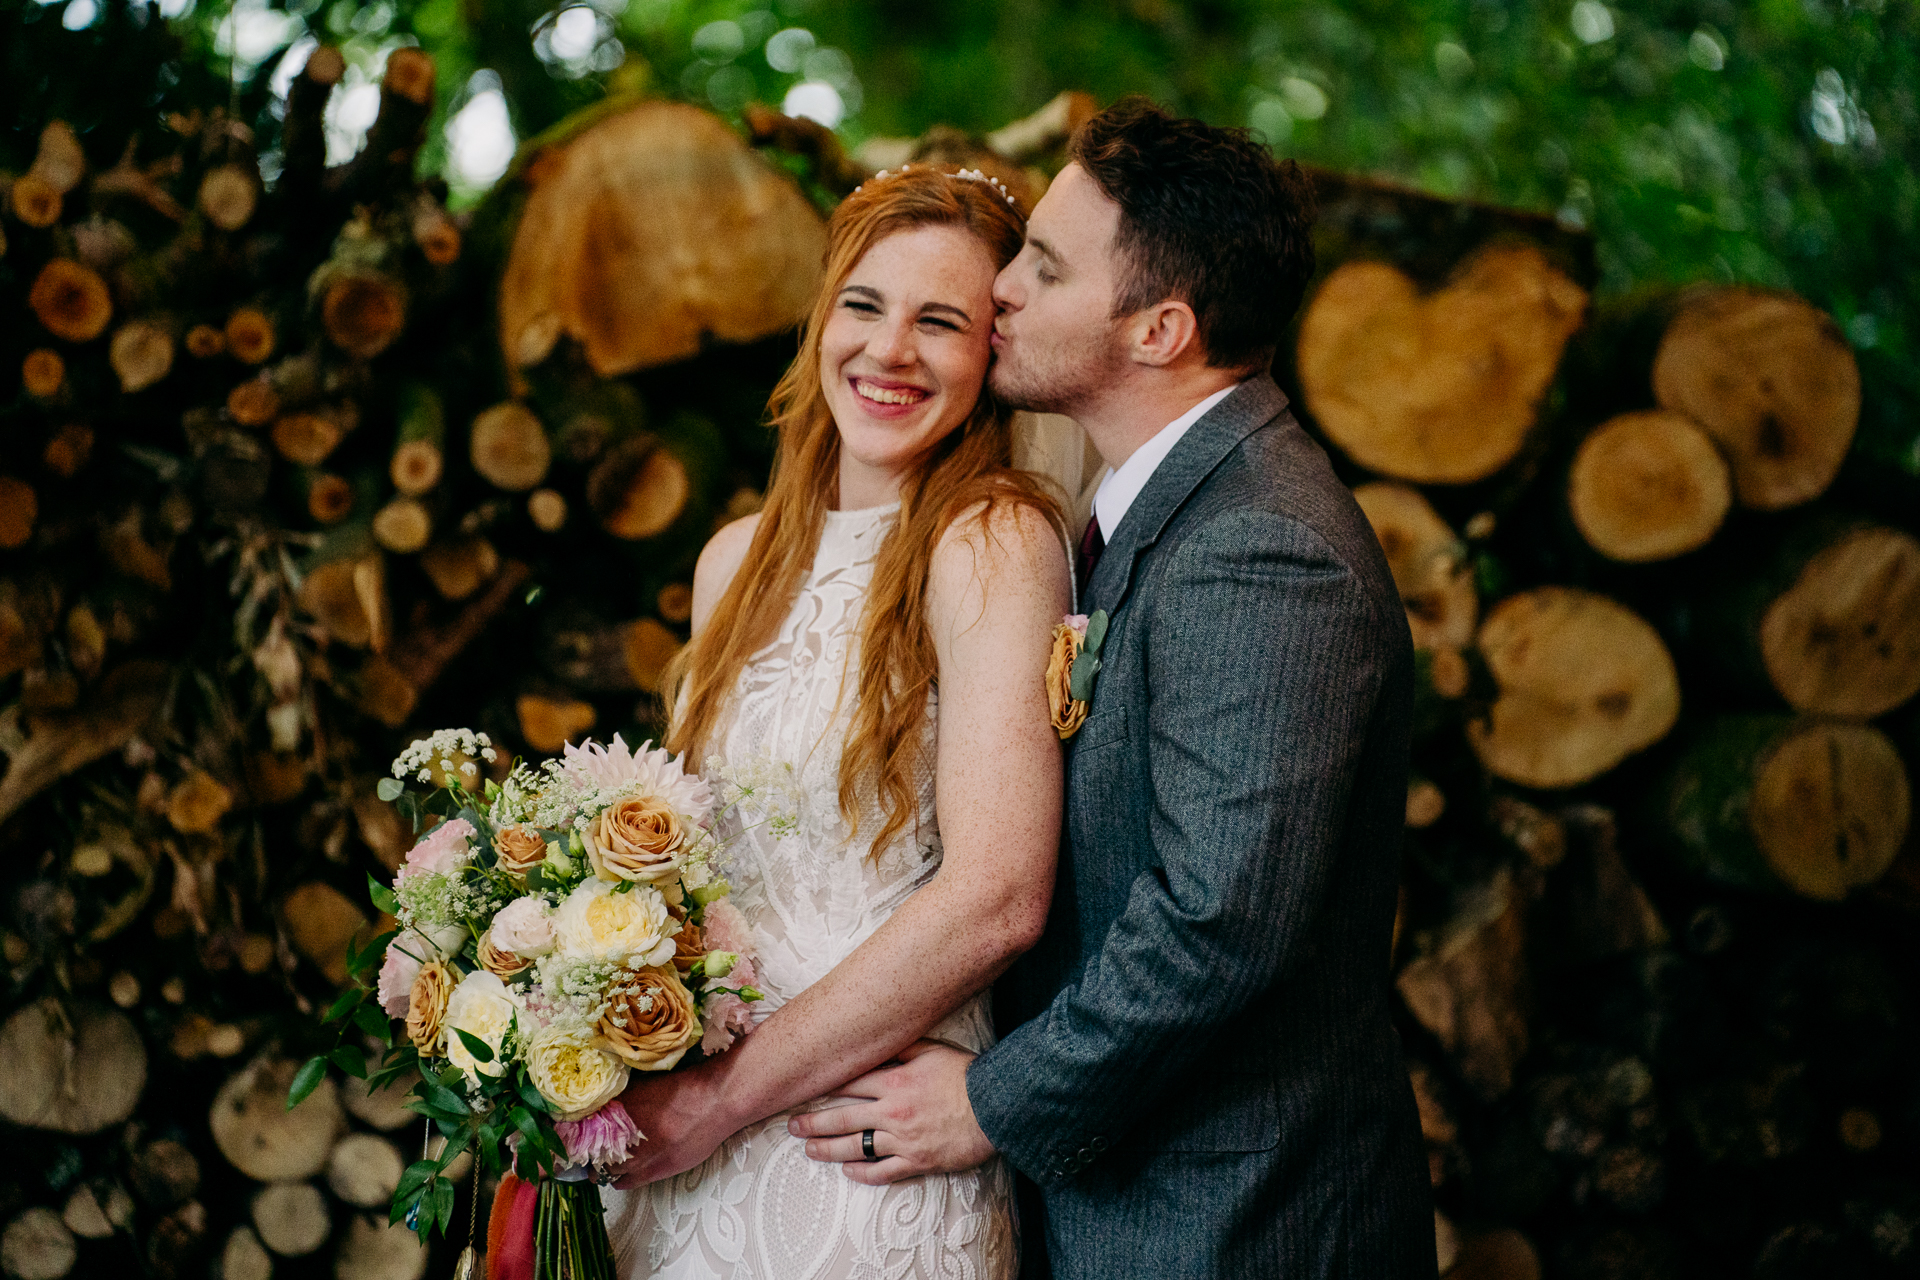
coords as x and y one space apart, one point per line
1117 492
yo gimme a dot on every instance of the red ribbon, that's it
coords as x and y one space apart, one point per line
510 1229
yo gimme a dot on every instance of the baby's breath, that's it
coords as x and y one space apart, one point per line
450 749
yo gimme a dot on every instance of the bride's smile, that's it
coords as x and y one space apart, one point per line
903 353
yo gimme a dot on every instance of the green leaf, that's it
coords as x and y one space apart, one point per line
383 897
390 789
443 1203
341 1004
1080 678
1096 631
443 1100
373 1020
480 1049
305 1081
531 1096
350 1059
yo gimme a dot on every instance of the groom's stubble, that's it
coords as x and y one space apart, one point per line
1058 368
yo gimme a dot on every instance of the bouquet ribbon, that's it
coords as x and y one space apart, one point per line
510 1250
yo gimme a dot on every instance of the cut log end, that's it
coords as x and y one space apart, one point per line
675 602
363 314
1648 486
205 342
509 447
547 509
253 403
1844 639
291 1218
409 73
548 724
227 196
70 300
329 498
1772 380
325 65
639 489
35 202
1425 804
260 1137
416 467
461 566
249 335
1584 682
38 1246
306 438
43 373
363 1170
1441 388
141 354
403 526
1830 808
1429 565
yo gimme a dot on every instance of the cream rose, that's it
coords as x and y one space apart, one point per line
524 926
576 1076
630 928
482 1007
650 1020
427 1009
636 839
521 849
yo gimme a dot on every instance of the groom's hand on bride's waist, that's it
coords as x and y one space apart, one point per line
919 1114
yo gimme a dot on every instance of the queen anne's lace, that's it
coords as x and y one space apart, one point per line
759 1207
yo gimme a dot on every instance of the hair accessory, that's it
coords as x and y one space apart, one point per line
964 175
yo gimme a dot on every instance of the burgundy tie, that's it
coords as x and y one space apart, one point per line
1091 545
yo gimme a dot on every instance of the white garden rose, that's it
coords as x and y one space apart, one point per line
572 1073
630 928
524 927
482 1007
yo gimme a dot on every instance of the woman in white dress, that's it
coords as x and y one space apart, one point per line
882 628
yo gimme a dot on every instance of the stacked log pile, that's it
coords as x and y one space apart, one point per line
1652 952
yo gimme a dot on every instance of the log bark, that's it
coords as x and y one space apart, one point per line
1442 388
1429 564
548 724
385 162
833 168
77 1075
38 1246
648 231
1470 987
434 231
291 1218
403 526
373 1250
639 489
1504 1254
1844 638
363 1170
1648 486
1772 380
418 459
304 136
1783 804
1583 683
1046 129
70 300
424 653
260 1137
120 707
509 447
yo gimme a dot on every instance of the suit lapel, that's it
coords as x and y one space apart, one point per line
1250 406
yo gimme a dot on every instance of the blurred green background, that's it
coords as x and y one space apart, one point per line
1768 142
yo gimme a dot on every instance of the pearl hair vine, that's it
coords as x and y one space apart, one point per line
963 175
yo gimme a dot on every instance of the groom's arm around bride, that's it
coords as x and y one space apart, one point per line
1204 1079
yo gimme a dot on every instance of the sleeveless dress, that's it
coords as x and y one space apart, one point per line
759 1209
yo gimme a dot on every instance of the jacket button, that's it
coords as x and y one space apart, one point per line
1099 1145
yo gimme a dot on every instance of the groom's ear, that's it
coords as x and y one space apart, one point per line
1161 334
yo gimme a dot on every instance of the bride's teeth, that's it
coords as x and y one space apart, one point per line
883 395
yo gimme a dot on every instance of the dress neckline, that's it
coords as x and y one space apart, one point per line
863 514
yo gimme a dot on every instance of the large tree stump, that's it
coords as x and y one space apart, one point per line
260 1137
71 1077
1648 486
1442 388
649 230
1584 683
1771 802
1772 380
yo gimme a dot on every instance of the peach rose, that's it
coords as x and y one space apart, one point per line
427 1008
521 849
688 946
636 839
650 1020
502 964
1068 713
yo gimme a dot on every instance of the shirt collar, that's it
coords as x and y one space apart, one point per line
1123 485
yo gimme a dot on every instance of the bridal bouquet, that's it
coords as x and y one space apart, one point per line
555 932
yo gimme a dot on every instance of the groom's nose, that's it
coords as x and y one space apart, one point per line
1006 291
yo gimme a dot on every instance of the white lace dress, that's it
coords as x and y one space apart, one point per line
759 1208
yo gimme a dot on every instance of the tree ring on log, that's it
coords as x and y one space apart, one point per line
70 1080
1772 379
639 489
1441 389
509 447
1830 808
1429 565
1648 486
1584 683
1844 639
260 1137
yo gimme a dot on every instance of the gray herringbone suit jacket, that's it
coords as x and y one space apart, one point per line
1203 1078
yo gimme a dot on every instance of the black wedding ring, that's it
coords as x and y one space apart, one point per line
866 1146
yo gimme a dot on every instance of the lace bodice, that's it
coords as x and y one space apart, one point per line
812 894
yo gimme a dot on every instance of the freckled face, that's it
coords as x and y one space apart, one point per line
905 348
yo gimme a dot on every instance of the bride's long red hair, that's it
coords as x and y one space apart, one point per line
967 474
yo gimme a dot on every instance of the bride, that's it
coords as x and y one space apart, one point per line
881 628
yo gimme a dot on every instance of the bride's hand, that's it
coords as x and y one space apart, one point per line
680 1115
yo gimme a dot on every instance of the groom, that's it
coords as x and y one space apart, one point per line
1201 1075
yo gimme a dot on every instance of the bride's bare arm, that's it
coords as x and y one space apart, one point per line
993 597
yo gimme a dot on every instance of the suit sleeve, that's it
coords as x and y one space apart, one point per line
1265 659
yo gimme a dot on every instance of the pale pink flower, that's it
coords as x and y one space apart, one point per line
405 954
726 929
446 848
605 1138
727 1017
524 927
643 772
1078 621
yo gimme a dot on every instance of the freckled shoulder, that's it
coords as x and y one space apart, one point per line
1014 552
719 560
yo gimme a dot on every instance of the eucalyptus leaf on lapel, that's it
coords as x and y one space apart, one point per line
1087 665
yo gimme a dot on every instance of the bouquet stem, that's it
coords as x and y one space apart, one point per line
570 1234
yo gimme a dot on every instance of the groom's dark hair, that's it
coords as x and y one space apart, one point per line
1207 216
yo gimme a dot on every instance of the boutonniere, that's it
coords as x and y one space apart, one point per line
1070 671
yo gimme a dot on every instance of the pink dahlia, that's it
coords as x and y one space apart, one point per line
605 1138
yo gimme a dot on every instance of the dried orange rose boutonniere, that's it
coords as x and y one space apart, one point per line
1071 668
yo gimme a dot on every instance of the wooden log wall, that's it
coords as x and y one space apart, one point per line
1653 956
